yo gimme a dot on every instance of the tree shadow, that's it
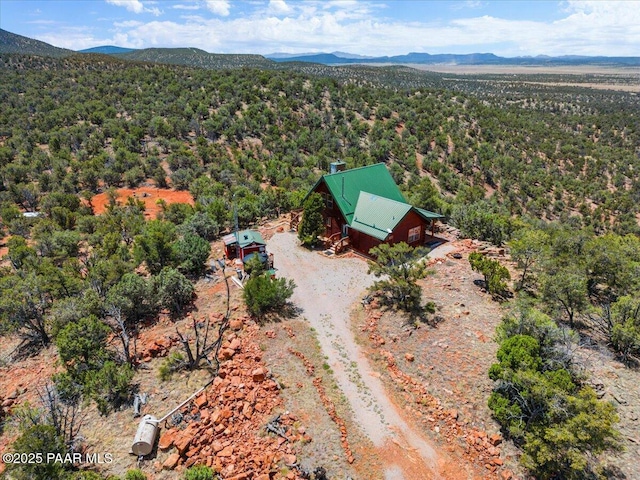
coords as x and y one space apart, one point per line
413 314
27 348
287 312
424 317
613 472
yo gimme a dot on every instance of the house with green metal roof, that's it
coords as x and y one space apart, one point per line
365 207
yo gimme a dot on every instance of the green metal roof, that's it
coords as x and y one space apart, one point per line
378 216
346 186
247 237
426 214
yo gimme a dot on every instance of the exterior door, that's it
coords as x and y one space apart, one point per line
345 230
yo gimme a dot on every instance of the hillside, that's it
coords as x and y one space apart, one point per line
13 43
528 143
95 290
194 57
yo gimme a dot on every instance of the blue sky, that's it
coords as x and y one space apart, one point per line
366 27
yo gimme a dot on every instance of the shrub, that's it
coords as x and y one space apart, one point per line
170 365
400 267
263 294
560 424
479 220
35 439
173 290
135 474
493 271
191 252
199 472
109 386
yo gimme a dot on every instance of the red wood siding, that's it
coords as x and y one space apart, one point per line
401 232
363 242
254 247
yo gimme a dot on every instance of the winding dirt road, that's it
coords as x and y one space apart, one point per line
327 289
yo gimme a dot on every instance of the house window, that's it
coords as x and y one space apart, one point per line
328 222
329 201
414 234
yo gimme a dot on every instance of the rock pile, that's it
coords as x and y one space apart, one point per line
158 347
227 427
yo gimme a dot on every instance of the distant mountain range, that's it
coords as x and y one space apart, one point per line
282 55
338 58
107 50
13 43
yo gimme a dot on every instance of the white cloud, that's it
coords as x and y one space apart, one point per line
586 28
279 7
128 24
42 22
134 6
219 7
466 5
193 6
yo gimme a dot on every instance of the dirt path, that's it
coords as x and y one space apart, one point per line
327 288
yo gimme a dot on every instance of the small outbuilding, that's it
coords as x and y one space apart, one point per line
242 243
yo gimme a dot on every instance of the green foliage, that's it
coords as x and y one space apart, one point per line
191 253
135 474
25 301
520 352
177 213
20 254
81 345
480 221
89 475
401 266
612 263
9 212
133 296
569 444
565 290
42 439
91 369
263 294
155 245
199 472
425 195
560 424
170 365
173 290
495 274
202 224
110 386
528 247
312 223
624 323
254 266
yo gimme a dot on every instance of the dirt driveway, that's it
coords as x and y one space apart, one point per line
327 289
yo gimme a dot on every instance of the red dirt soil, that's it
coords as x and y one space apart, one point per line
149 195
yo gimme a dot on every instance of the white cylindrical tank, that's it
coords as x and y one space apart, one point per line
145 436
